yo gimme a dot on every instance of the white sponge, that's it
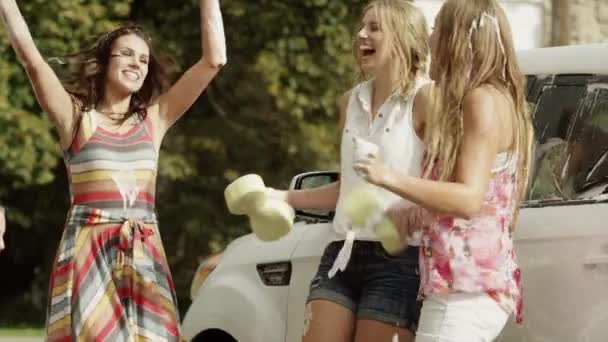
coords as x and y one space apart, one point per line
269 218
363 207
272 220
244 194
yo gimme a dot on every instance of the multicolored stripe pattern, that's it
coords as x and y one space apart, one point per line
111 280
113 171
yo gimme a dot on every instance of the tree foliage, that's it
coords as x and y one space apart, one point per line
271 110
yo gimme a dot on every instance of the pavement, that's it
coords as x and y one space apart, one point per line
21 339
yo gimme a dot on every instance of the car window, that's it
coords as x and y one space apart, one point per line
588 162
310 181
571 131
316 181
555 114
529 83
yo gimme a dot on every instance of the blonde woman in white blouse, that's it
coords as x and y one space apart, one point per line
360 292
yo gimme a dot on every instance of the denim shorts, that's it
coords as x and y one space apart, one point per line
375 285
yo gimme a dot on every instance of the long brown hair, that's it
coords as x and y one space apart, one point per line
474 48
407 36
85 73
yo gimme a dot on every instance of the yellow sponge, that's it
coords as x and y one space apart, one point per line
270 219
244 194
364 208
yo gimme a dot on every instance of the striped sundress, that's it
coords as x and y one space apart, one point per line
110 280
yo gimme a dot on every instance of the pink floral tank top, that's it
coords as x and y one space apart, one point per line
476 255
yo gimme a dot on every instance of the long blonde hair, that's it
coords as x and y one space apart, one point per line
407 36
474 48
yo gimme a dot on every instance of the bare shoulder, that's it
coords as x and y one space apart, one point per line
422 105
424 93
342 106
153 116
478 95
480 113
153 113
422 100
343 100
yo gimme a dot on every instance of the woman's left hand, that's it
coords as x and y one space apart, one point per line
372 169
406 218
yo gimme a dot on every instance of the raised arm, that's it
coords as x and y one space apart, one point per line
175 102
51 95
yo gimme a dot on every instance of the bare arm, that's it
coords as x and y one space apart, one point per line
51 95
325 197
463 197
321 198
175 102
421 107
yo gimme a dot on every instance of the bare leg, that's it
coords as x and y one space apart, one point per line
368 331
328 322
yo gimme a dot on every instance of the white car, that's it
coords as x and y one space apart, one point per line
257 291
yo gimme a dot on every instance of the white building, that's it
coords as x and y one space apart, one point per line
527 18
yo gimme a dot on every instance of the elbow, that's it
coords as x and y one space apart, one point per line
469 208
467 213
216 62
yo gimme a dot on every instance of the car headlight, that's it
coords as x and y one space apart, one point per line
202 272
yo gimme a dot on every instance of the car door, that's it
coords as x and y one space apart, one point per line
562 235
306 256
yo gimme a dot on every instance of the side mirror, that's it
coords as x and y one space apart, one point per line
311 180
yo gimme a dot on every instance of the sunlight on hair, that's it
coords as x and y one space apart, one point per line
56 60
407 36
479 23
476 50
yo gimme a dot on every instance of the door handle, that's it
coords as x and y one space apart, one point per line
595 261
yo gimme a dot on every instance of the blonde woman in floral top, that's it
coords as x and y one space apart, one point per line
478 135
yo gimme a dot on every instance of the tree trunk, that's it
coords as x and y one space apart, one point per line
561 23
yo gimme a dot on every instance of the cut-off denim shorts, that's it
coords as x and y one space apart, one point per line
375 285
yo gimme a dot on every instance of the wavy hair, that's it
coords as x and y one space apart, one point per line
85 74
474 47
407 35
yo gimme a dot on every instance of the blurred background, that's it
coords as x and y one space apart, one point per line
271 111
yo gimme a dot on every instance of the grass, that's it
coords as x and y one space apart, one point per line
4 332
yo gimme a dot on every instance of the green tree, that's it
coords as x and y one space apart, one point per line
33 182
271 111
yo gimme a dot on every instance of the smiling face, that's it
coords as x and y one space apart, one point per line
128 64
392 42
370 45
